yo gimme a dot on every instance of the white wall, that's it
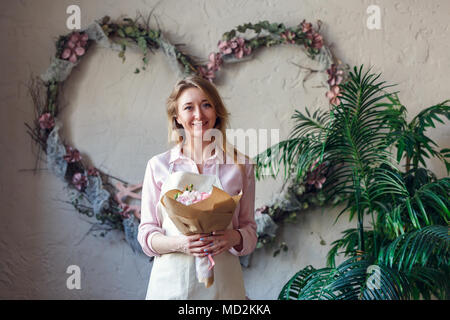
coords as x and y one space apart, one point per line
117 119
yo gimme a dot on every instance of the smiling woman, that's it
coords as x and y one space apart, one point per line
193 108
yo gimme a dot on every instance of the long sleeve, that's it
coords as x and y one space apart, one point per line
150 222
247 224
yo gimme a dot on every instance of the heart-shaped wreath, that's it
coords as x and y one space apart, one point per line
90 188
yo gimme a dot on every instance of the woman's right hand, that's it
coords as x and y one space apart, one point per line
195 245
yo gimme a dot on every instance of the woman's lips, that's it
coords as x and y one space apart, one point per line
198 124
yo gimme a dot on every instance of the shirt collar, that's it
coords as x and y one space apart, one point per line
175 154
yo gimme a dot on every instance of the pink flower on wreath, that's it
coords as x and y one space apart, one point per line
46 121
79 180
333 95
288 36
72 155
334 75
75 47
206 73
261 209
215 61
315 37
316 40
306 26
316 177
213 65
236 46
92 171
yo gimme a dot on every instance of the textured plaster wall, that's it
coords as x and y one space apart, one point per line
116 119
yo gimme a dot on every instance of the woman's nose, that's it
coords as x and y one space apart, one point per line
198 113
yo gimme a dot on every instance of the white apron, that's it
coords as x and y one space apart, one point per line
173 275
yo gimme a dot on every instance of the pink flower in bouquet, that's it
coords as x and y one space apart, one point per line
72 155
75 47
79 180
333 95
46 121
191 196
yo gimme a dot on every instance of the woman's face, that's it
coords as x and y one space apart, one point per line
195 112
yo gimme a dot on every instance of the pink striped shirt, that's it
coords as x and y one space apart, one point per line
232 182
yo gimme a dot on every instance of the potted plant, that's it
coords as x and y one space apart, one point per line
400 248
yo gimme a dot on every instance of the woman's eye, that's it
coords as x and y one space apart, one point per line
205 105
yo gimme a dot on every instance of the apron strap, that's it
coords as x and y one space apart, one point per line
171 167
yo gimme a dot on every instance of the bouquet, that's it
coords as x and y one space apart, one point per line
194 212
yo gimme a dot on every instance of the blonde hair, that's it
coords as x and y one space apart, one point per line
222 122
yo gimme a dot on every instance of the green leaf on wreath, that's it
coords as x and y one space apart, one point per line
273 27
122 55
230 35
142 43
265 24
129 31
120 33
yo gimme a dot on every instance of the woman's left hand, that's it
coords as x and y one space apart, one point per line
224 240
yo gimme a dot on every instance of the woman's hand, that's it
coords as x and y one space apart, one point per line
224 240
196 245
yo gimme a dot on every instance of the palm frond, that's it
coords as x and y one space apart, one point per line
356 278
430 281
293 287
417 248
403 206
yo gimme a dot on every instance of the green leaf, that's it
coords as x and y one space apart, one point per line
142 43
122 55
121 33
129 31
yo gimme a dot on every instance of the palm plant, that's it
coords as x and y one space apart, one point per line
406 248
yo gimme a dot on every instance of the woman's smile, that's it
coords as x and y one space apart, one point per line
200 124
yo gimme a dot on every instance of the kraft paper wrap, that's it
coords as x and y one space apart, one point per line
212 214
